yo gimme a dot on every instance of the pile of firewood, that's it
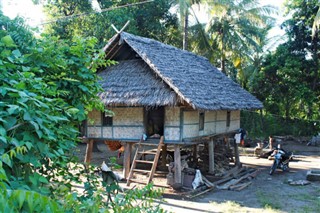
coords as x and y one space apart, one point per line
236 179
222 157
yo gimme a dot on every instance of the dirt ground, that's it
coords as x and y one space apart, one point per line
265 194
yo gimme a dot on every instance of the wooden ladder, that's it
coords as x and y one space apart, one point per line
139 153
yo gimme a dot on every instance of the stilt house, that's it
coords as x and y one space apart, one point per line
159 90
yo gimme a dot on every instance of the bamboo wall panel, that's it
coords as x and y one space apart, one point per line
94 132
190 131
107 132
210 116
172 133
191 117
128 132
172 116
128 116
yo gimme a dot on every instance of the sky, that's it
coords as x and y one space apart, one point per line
33 13
35 17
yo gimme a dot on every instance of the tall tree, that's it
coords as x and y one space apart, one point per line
184 10
150 19
299 30
235 27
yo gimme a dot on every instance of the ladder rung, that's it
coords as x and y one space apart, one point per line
148 152
149 144
144 161
138 181
141 170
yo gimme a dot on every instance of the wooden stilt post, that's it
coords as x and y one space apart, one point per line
127 159
195 152
87 158
164 156
177 165
211 156
236 154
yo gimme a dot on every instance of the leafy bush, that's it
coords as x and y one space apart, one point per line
264 125
46 89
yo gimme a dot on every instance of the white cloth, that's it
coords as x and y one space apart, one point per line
237 137
197 179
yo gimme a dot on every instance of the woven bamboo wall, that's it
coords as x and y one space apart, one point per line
172 124
127 124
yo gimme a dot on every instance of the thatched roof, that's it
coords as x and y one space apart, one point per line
166 70
132 82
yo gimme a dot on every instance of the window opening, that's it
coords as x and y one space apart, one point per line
228 118
107 120
201 121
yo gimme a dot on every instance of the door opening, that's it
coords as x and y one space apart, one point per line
154 122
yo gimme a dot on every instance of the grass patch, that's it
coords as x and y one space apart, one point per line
268 201
232 206
312 200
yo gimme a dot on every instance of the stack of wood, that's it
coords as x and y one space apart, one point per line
236 179
222 157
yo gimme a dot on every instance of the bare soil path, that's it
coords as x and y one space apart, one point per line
265 194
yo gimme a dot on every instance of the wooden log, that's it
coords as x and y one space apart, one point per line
241 186
177 165
87 158
218 182
202 192
127 159
207 182
211 156
236 181
232 172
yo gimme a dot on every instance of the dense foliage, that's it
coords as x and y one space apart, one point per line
151 19
288 78
47 86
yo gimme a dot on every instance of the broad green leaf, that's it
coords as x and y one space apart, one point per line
39 133
6 159
30 201
3 175
35 125
25 69
21 86
12 109
27 116
21 197
29 145
73 111
10 122
16 53
43 179
3 132
8 41
3 139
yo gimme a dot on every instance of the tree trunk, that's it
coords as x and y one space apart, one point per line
223 60
185 30
287 109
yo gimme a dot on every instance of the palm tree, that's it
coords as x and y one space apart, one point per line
235 27
184 7
316 22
